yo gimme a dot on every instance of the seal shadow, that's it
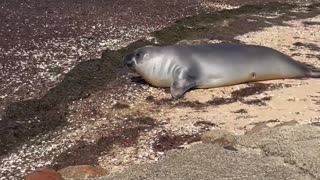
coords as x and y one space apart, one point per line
26 119
141 81
138 80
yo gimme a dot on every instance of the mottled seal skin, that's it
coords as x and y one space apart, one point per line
182 67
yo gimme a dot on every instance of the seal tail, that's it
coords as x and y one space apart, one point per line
313 73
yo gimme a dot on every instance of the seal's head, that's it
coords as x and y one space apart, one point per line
136 59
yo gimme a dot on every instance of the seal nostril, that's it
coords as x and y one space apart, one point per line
129 63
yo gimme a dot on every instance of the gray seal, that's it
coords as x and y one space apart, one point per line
182 67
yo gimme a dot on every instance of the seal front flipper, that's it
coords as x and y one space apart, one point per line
181 83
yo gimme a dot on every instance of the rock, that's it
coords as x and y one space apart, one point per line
82 172
290 152
219 137
257 128
44 173
297 145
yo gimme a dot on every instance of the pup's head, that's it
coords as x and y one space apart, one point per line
138 58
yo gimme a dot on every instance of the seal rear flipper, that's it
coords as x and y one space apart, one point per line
313 73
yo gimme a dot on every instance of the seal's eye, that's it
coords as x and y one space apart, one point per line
138 55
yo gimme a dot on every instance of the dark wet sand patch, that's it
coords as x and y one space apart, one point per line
125 134
236 96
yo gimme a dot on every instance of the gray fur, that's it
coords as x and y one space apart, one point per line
182 67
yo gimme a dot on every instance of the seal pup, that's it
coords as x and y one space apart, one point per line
182 67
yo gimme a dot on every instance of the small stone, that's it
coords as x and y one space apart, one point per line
152 157
44 173
257 128
219 137
82 172
230 148
315 123
289 123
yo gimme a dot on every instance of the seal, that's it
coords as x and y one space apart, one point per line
182 67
